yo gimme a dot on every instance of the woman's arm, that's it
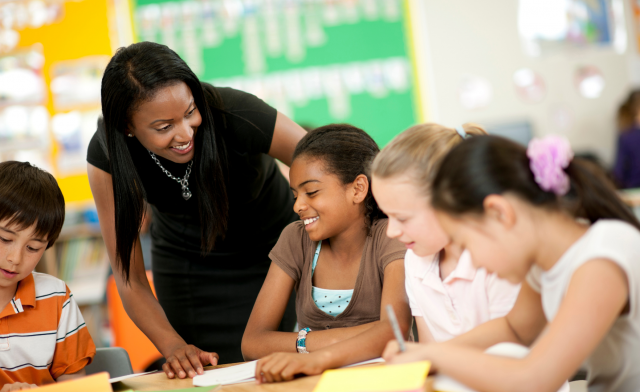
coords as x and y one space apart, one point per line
138 299
261 337
286 136
597 294
366 345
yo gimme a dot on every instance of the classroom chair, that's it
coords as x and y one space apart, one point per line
113 360
125 333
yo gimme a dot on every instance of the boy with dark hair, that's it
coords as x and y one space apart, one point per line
43 337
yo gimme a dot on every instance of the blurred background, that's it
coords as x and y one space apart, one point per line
522 68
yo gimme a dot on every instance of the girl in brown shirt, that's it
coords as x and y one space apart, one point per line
343 229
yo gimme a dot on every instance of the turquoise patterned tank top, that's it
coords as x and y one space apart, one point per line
332 302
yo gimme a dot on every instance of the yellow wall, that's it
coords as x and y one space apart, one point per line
82 31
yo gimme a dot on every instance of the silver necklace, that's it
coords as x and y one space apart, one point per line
186 193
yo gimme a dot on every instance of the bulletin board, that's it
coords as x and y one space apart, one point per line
52 56
317 61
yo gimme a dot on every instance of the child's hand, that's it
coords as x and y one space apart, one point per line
284 366
415 352
17 386
393 349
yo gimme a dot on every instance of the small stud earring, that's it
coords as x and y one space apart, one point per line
130 134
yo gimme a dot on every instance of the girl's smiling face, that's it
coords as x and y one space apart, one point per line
326 205
411 219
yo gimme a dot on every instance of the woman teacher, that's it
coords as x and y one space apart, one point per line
203 158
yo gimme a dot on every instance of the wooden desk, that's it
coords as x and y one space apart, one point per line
160 382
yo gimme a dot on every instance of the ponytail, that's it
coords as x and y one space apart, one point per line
484 165
595 197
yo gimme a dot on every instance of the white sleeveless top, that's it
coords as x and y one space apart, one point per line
615 363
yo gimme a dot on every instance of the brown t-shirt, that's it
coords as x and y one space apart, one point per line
294 254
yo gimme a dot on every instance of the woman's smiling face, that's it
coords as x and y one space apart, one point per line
326 205
166 125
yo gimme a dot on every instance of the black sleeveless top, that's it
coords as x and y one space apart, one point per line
260 201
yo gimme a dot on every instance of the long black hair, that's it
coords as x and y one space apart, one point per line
485 165
347 152
133 76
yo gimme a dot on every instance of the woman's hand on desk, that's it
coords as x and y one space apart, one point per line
284 366
188 360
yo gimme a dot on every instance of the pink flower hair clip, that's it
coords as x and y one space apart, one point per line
548 157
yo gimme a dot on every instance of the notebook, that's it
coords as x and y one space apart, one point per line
229 375
407 377
442 383
243 373
194 389
122 378
95 383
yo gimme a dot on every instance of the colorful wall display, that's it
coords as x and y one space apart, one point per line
318 61
548 26
52 55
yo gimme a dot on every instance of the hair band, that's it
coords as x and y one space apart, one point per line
461 132
548 159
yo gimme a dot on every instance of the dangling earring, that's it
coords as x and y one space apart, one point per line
130 134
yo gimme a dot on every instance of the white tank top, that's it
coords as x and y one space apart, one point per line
615 363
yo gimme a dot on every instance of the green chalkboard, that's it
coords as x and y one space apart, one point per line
318 61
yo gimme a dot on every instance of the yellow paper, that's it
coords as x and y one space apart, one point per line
386 378
94 383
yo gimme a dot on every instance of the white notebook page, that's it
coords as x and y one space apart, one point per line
242 373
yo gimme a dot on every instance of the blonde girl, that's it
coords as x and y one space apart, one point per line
536 215
447 295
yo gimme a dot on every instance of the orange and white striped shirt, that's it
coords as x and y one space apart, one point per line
42 333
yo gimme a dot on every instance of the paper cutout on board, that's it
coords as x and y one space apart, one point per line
590 82
529 85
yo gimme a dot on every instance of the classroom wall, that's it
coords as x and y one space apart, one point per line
317 62
480 38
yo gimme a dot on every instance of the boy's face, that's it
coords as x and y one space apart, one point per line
20 251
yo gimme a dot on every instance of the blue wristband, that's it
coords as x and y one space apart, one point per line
301 342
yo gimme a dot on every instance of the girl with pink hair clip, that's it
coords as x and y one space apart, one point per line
537 216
